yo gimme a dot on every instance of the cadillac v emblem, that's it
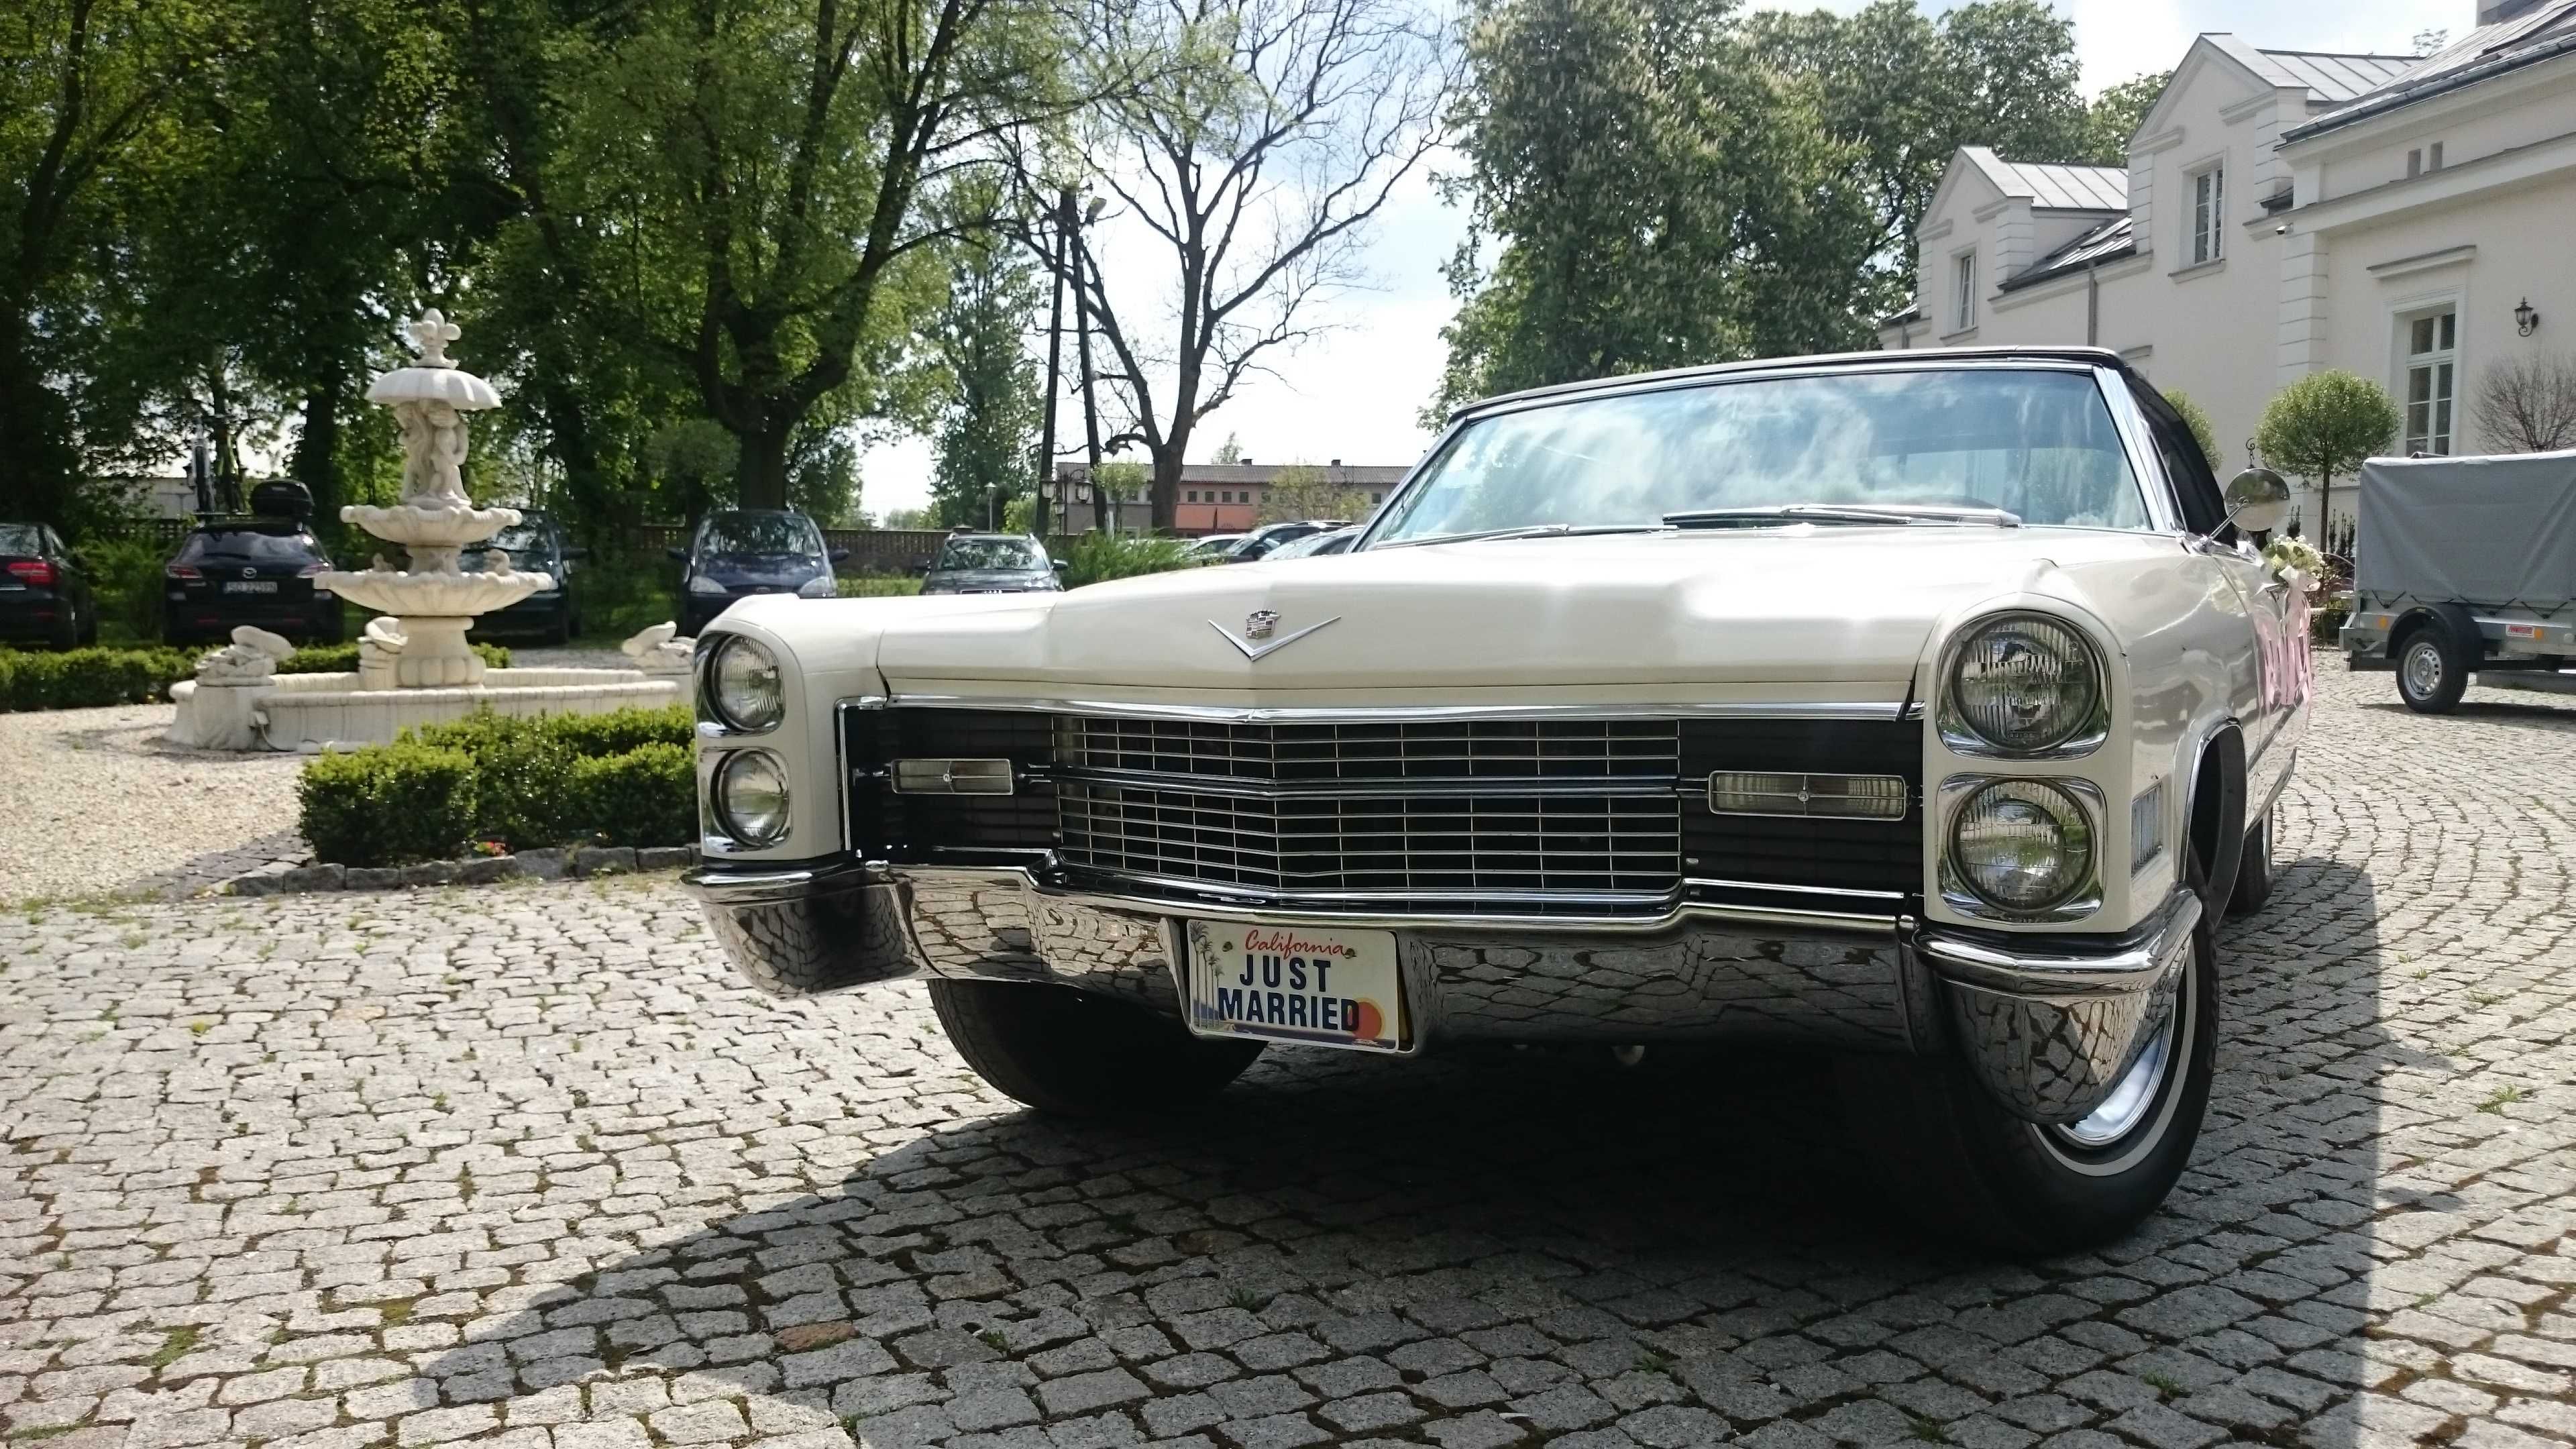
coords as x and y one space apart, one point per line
1261 625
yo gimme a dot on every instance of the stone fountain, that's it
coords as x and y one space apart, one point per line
414 664
435 601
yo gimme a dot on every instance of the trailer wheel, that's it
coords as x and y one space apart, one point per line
2432 669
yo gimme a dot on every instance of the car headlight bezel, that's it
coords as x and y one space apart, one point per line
2085 718
821 586
705 587
2075 806
760 708
732 772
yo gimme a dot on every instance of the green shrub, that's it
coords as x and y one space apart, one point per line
1095 557
621 593
877 586
646 796
388 804
625 777
90 678
343 658
126 575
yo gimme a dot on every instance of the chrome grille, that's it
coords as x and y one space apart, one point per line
1411 808
1485 749
1397 845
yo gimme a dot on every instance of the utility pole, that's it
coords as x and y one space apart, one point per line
1055 363
1082 338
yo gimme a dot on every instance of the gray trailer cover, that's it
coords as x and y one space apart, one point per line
2474 530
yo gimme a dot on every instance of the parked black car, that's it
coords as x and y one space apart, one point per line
535 545
1317 545
44 596
1258 543
257 571
991 563
746 551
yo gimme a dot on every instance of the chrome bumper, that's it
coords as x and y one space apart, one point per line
2049 1031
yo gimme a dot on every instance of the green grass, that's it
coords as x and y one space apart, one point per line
174 1346
2504 1097
877 586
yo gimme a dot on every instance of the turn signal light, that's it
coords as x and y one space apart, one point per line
1847 797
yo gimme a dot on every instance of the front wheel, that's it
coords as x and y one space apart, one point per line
1076 1054
2432 672
1988 1177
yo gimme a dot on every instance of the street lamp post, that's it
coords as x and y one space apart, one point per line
1055 355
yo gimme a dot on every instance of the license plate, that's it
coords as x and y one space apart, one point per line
251 586
1296 983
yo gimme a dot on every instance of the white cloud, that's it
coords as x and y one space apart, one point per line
1354 393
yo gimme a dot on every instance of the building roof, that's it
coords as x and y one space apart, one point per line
2117 237
2545 31
1912 311
2063 188
2330 78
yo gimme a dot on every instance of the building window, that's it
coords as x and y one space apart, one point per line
2208 214
1963 301
2432 359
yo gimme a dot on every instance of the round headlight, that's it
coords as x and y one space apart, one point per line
2025 683
2022 845
744 681
751 797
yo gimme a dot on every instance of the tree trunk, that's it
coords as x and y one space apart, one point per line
316 463
39 472
760 473
1167 476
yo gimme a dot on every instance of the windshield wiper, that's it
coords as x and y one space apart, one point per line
1534 530
1874 514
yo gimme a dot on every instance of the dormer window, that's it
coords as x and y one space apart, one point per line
2208 215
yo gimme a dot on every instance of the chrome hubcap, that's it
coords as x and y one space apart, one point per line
2129 1102
2423 669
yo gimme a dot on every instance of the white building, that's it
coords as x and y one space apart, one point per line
2411 219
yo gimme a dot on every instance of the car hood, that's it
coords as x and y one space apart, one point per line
753 573
1800 606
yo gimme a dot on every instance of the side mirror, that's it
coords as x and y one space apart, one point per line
1056 564
677 553
2257 500
918 567
837 555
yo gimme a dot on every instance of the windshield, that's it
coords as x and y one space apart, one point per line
1016 555
243 546
761 533
2037 444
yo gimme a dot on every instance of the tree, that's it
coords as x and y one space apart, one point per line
1124 481
1305 491
756 190
2111 122
2324 424
2528 405
91 100
990 419
2196 420
1909 91
1229 451
1651 194
1258 158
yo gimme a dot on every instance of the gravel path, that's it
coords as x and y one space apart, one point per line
96 802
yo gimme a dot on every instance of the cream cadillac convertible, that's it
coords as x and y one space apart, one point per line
1925 707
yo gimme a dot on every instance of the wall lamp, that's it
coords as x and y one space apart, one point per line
2525 320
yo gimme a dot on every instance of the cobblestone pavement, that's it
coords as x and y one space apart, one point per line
526 1165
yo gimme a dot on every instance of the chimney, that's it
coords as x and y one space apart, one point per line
1245 461
1337 462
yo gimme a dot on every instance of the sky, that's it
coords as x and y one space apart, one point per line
1355 392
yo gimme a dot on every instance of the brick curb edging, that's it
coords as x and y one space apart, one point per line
559 864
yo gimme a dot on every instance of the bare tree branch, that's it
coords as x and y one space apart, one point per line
2528 405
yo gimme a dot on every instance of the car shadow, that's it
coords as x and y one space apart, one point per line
1696 1231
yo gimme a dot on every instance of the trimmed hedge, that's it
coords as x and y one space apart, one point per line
387 805
91 678
623 778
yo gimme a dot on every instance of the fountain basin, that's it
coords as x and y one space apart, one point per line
455 596
415 525
311 711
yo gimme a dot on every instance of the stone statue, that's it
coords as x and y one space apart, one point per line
250 659
378 650
656 651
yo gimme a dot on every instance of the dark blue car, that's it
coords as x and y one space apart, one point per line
746 551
